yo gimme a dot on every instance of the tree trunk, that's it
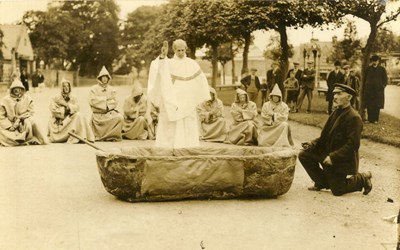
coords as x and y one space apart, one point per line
233 64
192 51
367 51
214 63
284 58
247 40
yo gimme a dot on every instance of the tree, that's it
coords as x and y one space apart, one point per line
386 42
274 50
100 20
372 12
224 55
349 49
134 32
56 38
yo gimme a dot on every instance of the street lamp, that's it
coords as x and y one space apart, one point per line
304 57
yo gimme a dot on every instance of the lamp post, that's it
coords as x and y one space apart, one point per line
316 52
304 57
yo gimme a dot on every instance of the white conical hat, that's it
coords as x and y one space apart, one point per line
16 84
276 91
137 88
104 72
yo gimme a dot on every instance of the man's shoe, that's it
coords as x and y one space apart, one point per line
314 188
367 182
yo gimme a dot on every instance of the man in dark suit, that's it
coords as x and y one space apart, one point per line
252 84
337 149
375 81
335 76
274 76
297 71
307 86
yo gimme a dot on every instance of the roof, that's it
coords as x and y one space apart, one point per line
16 36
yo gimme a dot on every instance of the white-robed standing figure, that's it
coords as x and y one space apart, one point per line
275 130
65 117
177 86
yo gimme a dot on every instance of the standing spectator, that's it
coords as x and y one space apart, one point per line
264 90
297 71
354 82
291 91
307 86
274 76
333 156
375 81
177 86
212 122
106 120
135 126
37 80
275 130
252 84
243 131
65 117
25 79
17 126
335 76
346 73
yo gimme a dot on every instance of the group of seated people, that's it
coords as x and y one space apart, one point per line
272 129
17 126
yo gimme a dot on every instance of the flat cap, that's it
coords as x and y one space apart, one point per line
375 58
346 66
339 87
296 63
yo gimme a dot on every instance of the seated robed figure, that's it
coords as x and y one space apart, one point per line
65 117
212 121
106 120
275 130
17 126
243 131
135 126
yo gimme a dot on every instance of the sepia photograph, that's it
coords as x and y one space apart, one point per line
199 124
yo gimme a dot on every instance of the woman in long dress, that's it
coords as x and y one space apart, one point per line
65 117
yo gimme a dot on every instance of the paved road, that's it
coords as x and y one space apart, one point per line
392 100
51 197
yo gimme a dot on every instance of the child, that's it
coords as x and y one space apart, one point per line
292 91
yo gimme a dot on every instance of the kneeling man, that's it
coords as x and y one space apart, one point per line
336 150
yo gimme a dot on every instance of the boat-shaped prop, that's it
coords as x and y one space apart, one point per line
159 174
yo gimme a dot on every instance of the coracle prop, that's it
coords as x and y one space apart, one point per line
156 174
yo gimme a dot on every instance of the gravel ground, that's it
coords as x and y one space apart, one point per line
51 197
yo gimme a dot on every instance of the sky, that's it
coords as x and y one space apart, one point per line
13 10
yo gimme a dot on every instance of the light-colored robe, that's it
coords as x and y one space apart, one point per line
106 120
135 125
177 86
243 131
275 130
212 121
60 124
12 108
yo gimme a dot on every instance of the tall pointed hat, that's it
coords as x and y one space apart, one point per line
104 72
276 91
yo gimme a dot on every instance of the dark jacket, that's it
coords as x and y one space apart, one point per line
375 81
308 78
275 77
340 139
333 78
247 80
24 80
36 79
297 75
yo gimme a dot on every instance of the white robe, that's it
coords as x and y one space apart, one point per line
177 86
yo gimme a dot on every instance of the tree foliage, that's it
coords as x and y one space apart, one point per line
80 34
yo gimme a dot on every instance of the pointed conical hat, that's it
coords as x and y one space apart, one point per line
104 72
16 84
137 88
276 91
